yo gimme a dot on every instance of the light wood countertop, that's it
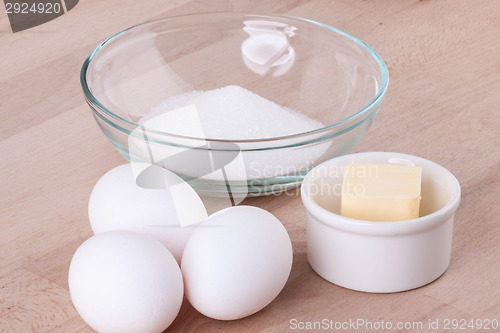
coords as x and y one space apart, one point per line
442 104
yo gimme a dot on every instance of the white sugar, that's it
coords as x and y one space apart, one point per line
232 113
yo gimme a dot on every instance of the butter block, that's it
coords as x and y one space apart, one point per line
380 192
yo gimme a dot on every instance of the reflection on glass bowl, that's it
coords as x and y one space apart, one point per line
267 47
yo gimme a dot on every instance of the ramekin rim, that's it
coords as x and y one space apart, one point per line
375 227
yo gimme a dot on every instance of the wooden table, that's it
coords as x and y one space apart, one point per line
442 104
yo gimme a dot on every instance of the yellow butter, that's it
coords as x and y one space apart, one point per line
380 192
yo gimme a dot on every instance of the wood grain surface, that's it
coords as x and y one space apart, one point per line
443 104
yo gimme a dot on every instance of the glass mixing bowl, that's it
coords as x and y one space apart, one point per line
332 81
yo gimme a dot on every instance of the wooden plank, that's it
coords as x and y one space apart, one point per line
442 105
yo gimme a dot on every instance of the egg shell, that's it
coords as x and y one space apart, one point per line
149 199
125 282
236 262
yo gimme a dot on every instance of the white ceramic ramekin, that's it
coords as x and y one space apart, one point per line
379 257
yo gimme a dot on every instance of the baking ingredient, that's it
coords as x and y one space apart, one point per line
236 262
125 282
148 199
235 113
231 112
379 192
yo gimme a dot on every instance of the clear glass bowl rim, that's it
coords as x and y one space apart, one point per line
92 100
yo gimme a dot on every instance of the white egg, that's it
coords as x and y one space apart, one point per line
156 202
123 281
236 262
